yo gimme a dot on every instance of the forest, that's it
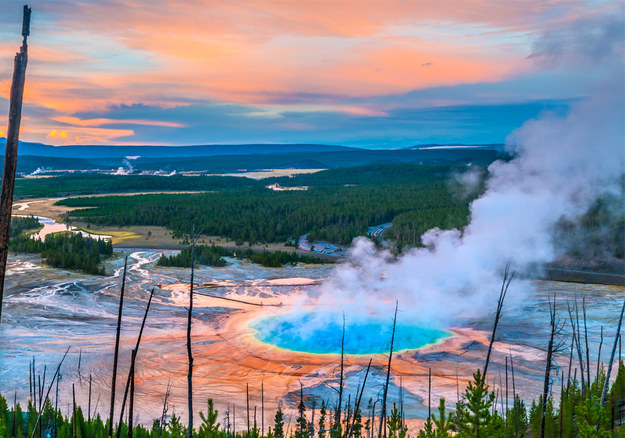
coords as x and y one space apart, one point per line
213 256
480 413
339 205
73 184
60 250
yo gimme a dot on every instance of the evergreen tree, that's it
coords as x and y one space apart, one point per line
279 423
473 417
209 426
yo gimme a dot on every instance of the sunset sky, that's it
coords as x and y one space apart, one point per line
364 73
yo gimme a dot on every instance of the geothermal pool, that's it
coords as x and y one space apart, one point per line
240 343
322 333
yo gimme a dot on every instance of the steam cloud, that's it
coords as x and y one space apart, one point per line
560 166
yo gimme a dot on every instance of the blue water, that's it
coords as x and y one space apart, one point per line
321 333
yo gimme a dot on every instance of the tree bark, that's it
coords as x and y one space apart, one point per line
10 154
116 354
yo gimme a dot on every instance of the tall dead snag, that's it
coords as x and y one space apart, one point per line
54 377
586 341
357 407
10 154
599 354
606 384
131 373
576 337
165 409
74 419
262 408
507 278
388 376
506 413
337 421
89 406
247 398
116 355
189 352
514 406
131 404
551 349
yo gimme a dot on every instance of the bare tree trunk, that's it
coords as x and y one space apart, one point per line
262 408
575 327
337 419
116 354
586 341
165 408
552 323
507 278
56 373
131 404
357 407
74 412
429 393
599 356
561 406
506 413
568 379
247 398
10 154
189 352
388 375
89 408
516 424
606 384
131 373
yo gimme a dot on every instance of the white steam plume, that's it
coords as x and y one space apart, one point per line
560 166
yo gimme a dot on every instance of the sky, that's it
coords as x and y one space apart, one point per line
367 73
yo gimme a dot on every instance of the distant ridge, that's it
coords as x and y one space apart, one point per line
108 151
491 146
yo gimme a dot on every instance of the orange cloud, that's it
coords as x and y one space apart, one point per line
89 56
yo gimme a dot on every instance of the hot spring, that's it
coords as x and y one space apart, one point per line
310 332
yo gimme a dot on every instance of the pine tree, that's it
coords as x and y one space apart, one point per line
322 421
473 416
209 426
279 423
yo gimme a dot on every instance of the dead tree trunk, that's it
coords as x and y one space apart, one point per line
506 413
575 327
56 373
514 407
116 354
74 419
429 394
552 323
586 342
357 407
131 373
388 376
599 355
165 408
131 404
337 420
189 352
89 406
507 278
262 409
10 154
606 384
247 398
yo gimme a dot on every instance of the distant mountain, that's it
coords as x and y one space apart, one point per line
492 146
107 151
